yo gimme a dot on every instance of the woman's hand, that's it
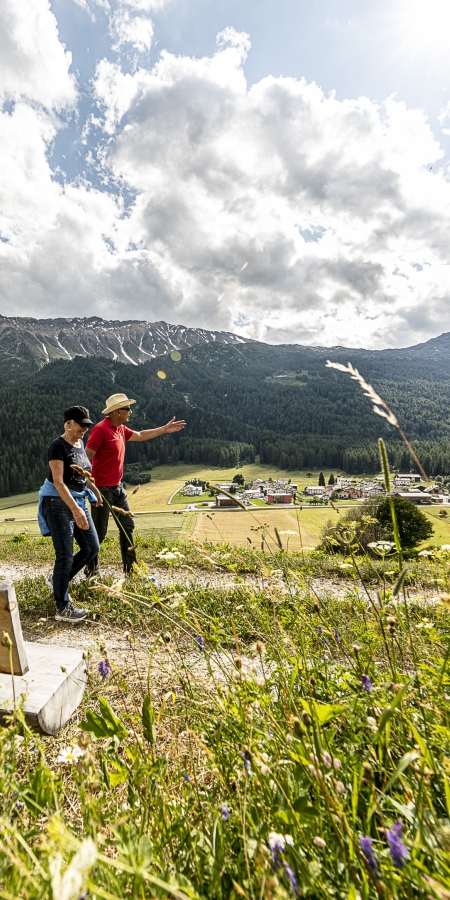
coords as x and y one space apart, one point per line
80 518
95 490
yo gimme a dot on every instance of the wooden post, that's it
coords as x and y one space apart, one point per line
10 624
56 679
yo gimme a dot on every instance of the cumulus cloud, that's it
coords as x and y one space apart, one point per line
33 63
331 203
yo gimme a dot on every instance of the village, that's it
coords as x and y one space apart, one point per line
283 491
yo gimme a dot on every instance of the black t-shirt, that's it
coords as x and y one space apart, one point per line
69 455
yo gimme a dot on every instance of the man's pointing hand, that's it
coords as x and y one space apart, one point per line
174 426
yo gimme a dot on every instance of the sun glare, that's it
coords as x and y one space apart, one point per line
428 22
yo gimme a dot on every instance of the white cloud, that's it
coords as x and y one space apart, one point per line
331 203
33 63
135 30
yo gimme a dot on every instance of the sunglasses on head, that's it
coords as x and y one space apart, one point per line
128 408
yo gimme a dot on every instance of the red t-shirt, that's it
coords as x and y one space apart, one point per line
108 441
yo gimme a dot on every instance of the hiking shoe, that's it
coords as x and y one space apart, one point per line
71 613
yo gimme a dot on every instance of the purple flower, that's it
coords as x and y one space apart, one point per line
399 852
104 669
20 805
367 849
247 765
337 636
200 641
187 777
291 876
225 810
319 629
366 683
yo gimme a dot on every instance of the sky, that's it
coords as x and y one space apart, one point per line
276 169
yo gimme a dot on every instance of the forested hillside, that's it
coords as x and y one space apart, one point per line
279 402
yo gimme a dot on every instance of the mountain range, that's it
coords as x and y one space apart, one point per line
240 399
27 344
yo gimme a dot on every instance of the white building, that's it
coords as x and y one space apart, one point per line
315 490
192 490
342 482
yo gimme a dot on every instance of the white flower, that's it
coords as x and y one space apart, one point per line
276 841
289 840
319 842
72 884
70 755
315 772
265 769
336 764
445 547
265 757
372 723
345 565
340 787
425 553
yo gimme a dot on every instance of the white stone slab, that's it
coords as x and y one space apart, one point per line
51 696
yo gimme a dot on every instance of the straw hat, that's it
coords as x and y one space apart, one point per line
116 401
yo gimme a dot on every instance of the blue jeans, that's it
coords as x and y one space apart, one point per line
63 530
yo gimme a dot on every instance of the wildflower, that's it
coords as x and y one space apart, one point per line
260 648
337 636
272 785
399 852
225 811
73 883
200 641
425 553
366 683
345 565
319 629
264 769
187 777
340 787
20 805
372 723
326 759
382 547
319 842
367 849
291 876
315 772
247 765
336 764
70 755
289 738
104 669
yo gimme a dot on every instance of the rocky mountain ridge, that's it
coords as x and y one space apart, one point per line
27 344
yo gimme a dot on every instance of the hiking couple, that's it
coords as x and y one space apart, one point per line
63 513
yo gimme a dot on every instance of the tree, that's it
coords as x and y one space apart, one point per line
331 479
413 524
238 478
321 480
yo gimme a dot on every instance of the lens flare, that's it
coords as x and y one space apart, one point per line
161 374
176 355
243 267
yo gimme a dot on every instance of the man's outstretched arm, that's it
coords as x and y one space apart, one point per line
151 433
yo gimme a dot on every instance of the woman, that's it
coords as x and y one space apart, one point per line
63 512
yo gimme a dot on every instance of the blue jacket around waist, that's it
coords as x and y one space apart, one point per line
48 490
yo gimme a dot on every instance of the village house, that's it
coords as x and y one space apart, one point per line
279 497
314 490
222 501
192 490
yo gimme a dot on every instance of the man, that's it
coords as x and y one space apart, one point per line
106 450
